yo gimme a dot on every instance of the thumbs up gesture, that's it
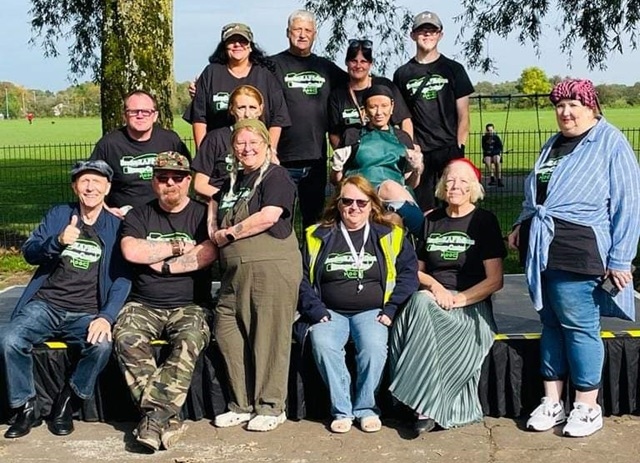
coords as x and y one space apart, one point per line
70 233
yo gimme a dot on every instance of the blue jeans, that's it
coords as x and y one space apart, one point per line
370 338
311 182
571 342
35 323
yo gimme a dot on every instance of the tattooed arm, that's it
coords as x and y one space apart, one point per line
144 251
256 223
199 257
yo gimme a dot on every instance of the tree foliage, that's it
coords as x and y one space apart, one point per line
383 20
597 26
123 44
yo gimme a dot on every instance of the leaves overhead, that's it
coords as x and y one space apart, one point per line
382 20
79 21
597 26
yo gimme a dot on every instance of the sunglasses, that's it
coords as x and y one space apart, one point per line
142 112
165 178
361 203
364 44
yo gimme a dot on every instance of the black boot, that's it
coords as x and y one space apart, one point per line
26 419
62 413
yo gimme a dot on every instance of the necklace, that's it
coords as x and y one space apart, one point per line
358 258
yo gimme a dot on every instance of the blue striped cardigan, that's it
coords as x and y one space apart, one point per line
596 185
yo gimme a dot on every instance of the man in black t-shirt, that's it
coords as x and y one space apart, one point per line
307 81
131 152
75 295
437 90
167 242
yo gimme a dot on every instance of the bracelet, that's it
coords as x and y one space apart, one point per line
176 248
166 268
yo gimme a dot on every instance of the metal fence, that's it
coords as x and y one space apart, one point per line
35 177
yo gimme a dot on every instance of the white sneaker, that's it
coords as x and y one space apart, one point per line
583 420
547 415
264 423
226 420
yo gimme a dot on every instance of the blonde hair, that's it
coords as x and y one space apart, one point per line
246 90
331 214
257 129
476 189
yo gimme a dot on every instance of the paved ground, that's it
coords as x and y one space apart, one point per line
494 441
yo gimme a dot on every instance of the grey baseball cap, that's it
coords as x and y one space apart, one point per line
97 166
426 17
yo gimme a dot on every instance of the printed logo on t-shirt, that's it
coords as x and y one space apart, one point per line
141 165
545 171
82 253
351 116
221 101
430 90
157 236
310 82
449 244
343 262
231 198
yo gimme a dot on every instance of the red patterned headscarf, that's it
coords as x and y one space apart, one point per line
576 89
466 161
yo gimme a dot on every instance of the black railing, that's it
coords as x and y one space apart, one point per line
35 177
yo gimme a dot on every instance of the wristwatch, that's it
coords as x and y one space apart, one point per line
230 238
176 248
166 268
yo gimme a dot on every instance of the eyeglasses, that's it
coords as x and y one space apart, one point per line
364 44
164 178
361 203
142 112
252 145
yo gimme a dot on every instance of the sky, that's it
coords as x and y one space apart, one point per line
197 25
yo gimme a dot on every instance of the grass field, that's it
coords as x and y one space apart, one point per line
35 159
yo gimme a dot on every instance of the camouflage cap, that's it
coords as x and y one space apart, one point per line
236 29
171 160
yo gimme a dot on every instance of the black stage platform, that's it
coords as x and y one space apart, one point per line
510 383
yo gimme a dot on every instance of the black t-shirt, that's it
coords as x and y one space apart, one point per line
214 156
151 222
344 114
339 278
454 248
435 116
73 285
307 82
132 163
215 85
275 189
574 247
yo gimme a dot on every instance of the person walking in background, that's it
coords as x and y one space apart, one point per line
492 155
131 152
577 234
307 81
437 90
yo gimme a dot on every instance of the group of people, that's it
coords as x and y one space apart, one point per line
408 279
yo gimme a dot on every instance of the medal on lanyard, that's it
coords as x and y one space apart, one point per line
358 258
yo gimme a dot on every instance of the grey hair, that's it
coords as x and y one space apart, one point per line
303 15
476 189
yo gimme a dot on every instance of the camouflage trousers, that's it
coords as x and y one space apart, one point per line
160 390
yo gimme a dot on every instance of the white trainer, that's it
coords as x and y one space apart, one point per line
264 423
546 415
583 420
228 419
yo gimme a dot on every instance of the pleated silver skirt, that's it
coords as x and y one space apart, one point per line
436 356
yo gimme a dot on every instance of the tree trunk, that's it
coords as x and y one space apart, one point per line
137 54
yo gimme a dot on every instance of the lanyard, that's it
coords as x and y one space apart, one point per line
358 259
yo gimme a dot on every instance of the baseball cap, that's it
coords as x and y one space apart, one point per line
171 160
237 29
426 17
98 166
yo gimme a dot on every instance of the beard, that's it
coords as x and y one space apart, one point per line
172 198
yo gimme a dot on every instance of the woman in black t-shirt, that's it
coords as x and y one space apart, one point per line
440 339
358 269
346 104
251 221
214 158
